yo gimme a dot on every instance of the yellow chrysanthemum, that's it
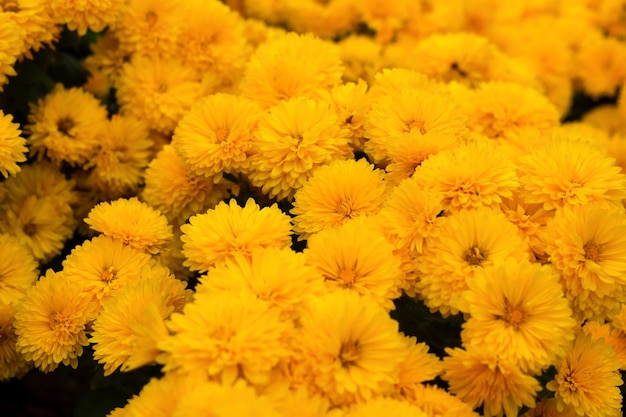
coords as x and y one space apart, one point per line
419 366
384 17
36 28
12 146
102 266
133 222
328 20
12 363
225 335
107 57
600 65
79 15
384 407
65 125
411 214
411 112
479 378
293 139
613 337
518 313
437 402
216 135
219 400
151 27
177 192
117 168
393 81
131 324
278 276
361 56
11 47
355 257
477 174
158 91
351 347
39 224
498 110
548 407
213 41
336 193
587 246
469 240
290 66
588 379
18 270
228 229
570 172
51 322
302 403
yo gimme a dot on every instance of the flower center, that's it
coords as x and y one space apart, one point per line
221 134
514 316
475 256
10 6
344 207
108 274
30 229
349 354
347 278
60 323
593 251
416 124
151 18
569 381
64 125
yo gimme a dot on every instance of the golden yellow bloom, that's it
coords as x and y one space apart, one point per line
11 47
437 402
122 156
216 135
293 139
600 65
228 229
361 56
479 378
51 321
548 407
278 276
102 266
107 57
393 81
468 241
419 366
384 407
290 66
411 112
132 322
302 403
518 313
476 174
570 172
220 400
12 146
18 270
613 337
384 17
355 257
336 193
351 347
65 125
79 15
225 335
36 28
151 27
12 363
588 379
587 246
133 222
158 91
411 214
327 19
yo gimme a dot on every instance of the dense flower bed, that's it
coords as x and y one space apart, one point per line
240 196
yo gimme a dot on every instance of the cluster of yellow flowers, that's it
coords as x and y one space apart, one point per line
416 146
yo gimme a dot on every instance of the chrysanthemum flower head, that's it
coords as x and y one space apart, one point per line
293 138
18 270
225 335
419 366
65 125
80 16
11 47
384 406
336 193
361 56
437 402
351 347
549 407
588 379
12 363
228 229
587 246
51 322
385 18
102 266
327 20
355 257
518 312
468 241
290 66
613 337
411 111
123 153
12 146
158 91
393 81
36 28
566 171
126 332
279 276
600 64
176 191
472 175
216 135
479 378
